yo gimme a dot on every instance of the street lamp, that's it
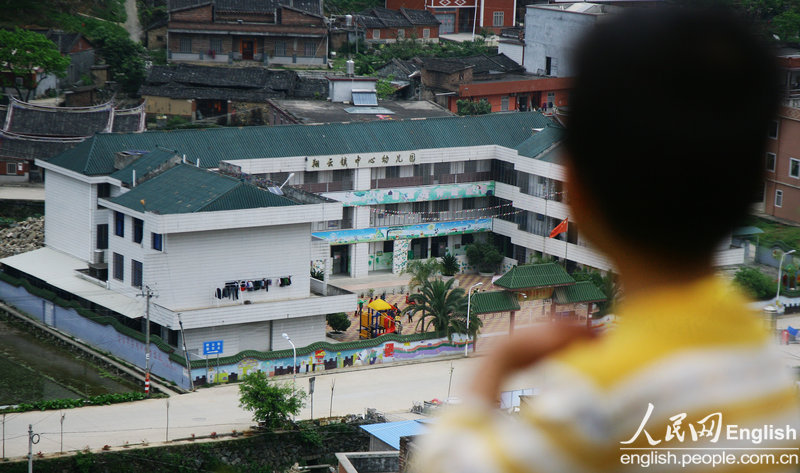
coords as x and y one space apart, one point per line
778 293
469 301
294 362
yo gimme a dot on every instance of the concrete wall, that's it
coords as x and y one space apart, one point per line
69 204
550 32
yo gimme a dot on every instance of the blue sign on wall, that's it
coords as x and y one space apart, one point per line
212 348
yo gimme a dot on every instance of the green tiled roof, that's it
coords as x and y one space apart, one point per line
95 156
144 164
584 291
493 301
187 189
541 141
530 276
747 231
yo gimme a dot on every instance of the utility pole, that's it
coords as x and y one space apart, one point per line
32 439
147 293
61 448
167 436
186 354
333 385
449 383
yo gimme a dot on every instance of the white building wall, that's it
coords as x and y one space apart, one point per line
69 204
552 32
303 331
125 246
512 50
237 338
193 265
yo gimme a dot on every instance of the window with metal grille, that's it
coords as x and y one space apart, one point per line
280 48
11 168
186 45
392 172
136 273
119 267
426 33
216 45
778 198
309 48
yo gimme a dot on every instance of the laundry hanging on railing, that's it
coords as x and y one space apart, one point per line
231 289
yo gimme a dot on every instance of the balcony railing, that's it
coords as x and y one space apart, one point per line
381 219
428 180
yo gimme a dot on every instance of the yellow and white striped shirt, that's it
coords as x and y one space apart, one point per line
693 351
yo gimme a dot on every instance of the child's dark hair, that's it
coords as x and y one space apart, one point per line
667 126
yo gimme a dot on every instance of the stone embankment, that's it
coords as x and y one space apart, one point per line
21 237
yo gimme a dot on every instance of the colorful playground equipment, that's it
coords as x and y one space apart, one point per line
378 318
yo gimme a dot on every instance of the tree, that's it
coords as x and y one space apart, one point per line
442 308
608 284
421 271
22 52
338 321
468 107
125 57
483 256
271 402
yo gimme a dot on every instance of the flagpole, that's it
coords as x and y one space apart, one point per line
546 195
566 248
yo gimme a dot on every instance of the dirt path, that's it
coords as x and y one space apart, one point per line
132 22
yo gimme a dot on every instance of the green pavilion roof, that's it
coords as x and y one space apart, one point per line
584 291
493 301
533 276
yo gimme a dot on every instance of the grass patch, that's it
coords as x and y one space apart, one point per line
775 231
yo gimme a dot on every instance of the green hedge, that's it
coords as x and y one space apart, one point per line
99 400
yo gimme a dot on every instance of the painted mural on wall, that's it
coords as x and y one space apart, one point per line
322 359
400 256
363 235
413 194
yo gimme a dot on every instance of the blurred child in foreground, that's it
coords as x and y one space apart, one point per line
664 153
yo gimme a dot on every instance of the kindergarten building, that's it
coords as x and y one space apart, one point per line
198 219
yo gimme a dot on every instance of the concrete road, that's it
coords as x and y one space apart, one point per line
391 389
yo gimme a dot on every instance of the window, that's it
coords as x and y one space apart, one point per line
441 205
138 230
778 198
504 103
119 224
470 166
426 33
119 266
498 18
439 169
280 48
388 246
102 237
156 242
468 203
794 168
103 190
771 162
467 238
401 34
376 34
310 178
136 273
551 98
11 168
419 207
216 45
773 130
392 172
309 48
186 45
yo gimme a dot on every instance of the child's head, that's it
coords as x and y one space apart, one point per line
667 126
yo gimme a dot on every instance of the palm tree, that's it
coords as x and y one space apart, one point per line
443 308
421 271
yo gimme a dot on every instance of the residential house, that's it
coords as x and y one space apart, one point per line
81 53
512 44
551 32
218 94
497 79
464 16
270 32
36 132
382 25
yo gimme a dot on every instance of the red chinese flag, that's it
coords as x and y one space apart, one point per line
560 228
